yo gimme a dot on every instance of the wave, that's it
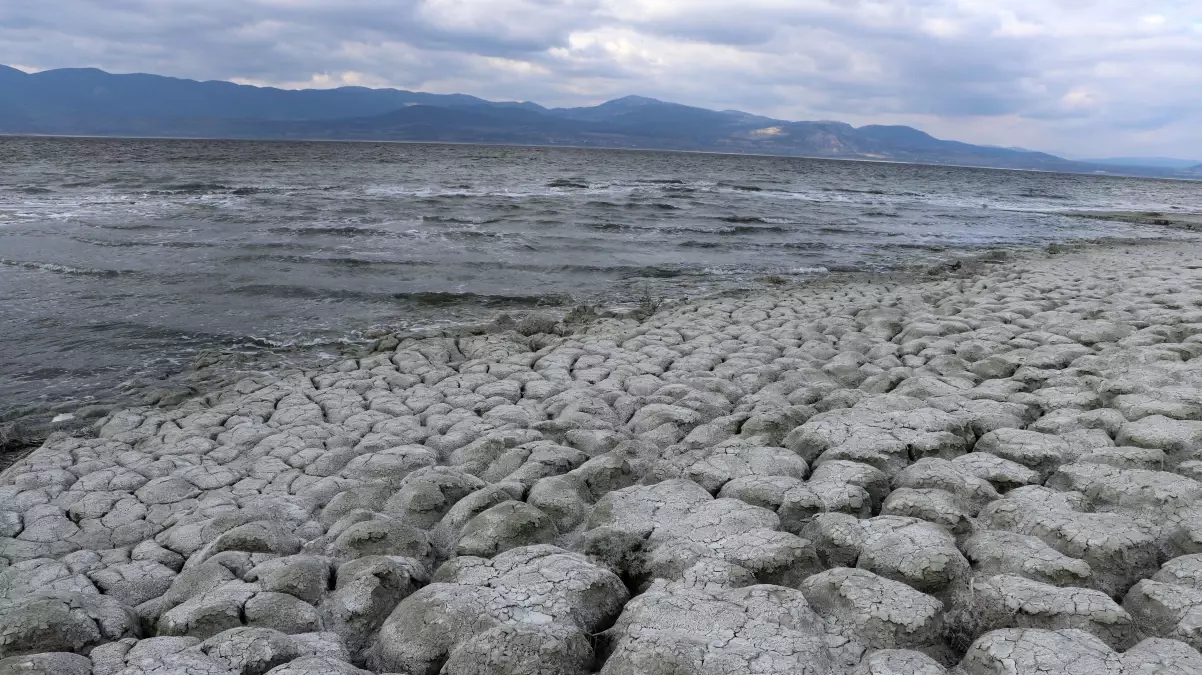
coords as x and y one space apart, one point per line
442 298
615 227
775 224
460 220
197 187
1035 194
662 206
60 269
684 229
753 229
294 291
130 227
743 271
566 183
748 246
857 192
437 194
653 272
333 231
336 261
353 232
176 189
620 271
921 246
260 342
279 245
141 330
139 244
420 298
478 234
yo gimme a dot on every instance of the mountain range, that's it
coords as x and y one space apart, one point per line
1165 162
90 102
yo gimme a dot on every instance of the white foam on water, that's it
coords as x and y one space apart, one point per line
56 267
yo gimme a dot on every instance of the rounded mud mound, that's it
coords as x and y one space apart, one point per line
999 473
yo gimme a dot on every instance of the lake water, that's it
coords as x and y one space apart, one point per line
122 259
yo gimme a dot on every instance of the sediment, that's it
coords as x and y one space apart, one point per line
994 470
1175 219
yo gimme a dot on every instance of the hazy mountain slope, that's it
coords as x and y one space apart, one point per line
95 92
83 101
1163 162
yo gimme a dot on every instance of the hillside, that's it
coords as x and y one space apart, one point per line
93 102
1163 162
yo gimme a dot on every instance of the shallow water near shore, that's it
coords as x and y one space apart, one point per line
123 259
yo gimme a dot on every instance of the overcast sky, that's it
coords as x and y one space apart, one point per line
1080 77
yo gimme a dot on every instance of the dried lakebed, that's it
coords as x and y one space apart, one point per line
998 473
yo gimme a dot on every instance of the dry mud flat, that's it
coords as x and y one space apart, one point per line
1178 220
991 474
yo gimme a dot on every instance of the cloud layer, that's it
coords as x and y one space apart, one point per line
1083 77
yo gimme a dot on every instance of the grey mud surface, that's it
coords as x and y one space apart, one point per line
1179 220
986 473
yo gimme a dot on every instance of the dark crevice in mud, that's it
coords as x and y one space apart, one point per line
604 640
16 442
962 629
739 426
635 583
437 664
602 643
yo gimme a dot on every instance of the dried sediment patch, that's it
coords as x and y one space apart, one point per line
1175 219
997 467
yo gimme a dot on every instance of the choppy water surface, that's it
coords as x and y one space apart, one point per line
123 258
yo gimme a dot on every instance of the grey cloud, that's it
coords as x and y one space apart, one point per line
1070 71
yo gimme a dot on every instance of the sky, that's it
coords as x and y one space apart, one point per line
1083 78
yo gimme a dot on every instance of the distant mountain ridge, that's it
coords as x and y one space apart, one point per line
87 90
85 101
1165 162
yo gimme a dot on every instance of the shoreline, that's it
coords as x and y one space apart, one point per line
215 370
220 367
1177 220
23 430
937 467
